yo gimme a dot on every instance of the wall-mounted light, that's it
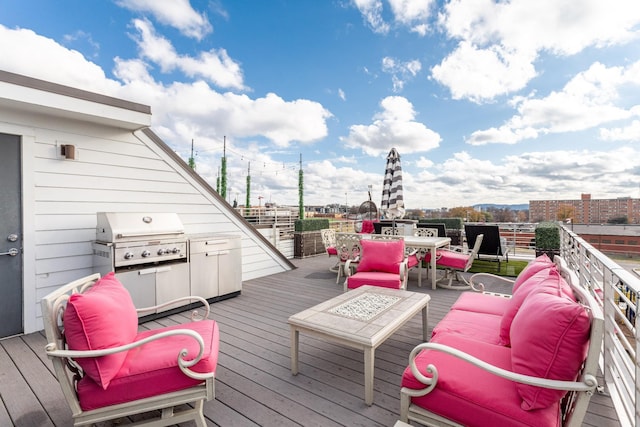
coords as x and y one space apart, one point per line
68 151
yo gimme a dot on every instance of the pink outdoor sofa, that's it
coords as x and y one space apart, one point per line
529 359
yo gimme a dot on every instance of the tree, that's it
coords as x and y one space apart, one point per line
468 213
565 211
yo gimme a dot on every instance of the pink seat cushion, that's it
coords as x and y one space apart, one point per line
331 250
102 317
374 278
549 339
367 227
152 369
470 395
381 255
541 263
477 326
548 280
413 261
481 303
452 259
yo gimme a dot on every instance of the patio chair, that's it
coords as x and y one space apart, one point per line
108 370
329 241
492 244
439 226
348 248
382 263
454 263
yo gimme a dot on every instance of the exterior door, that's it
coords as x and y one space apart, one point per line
10 236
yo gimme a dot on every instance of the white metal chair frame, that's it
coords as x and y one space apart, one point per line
68 372
348 246
451 273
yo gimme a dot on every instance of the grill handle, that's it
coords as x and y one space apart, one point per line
152 233
153 270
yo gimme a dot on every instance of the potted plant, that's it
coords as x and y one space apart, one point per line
547 239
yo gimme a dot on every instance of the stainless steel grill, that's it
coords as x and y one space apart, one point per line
132 239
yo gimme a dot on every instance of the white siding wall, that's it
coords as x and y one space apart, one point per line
114 170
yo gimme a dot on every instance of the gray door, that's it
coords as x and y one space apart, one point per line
10 237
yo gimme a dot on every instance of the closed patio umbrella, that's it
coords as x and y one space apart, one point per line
392 201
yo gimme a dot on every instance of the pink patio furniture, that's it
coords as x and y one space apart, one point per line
348 246
367 227
454 263
529 359
382 262
108 370
329 241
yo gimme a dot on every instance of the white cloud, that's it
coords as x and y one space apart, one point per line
507 37
412 13
627 133
176 13
371 10
588 100
400 71
394 126
214 65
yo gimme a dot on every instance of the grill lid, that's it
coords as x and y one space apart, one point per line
132 226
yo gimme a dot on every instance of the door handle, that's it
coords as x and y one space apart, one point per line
10 252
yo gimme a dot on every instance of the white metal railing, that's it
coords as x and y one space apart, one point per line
617 290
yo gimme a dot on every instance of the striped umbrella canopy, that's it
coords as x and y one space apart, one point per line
392 204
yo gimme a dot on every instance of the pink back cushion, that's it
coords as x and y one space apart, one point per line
541 263
381 255
547 280
102 317
549 339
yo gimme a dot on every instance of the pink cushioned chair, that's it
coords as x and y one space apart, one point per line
455 263
108 370
382 263
329 241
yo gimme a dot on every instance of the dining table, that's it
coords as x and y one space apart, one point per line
428 244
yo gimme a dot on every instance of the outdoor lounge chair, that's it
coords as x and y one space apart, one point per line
454 263
492 244
440 227
108 370
382 262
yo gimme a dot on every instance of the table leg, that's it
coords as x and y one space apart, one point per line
295 339
425 323
433 268
369 357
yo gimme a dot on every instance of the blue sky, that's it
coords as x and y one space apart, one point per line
486 101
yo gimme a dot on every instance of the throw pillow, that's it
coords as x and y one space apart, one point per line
381 255
549 339
102 317
543 262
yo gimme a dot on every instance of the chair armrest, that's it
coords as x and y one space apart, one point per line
195 315
404 268
478 286
348 265
53 351
588 384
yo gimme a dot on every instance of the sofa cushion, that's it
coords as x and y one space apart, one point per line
374 278
471 396
152 369
548 280
102 317
381 255
549 339
481 303
543 262
477 326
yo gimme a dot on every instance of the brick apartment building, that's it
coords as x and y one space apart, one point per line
586 210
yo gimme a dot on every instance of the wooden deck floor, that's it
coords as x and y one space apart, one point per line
254 385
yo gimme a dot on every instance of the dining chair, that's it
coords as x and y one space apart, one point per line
348 249
454 263
382 262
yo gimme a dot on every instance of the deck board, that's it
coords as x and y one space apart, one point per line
254 384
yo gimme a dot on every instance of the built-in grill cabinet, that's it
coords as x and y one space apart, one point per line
215 266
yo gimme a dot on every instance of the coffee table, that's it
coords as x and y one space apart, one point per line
363 319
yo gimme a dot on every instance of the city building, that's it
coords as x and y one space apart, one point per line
586 210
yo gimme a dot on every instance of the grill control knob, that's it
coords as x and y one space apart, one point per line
175 250
146 254
128 255
161 251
